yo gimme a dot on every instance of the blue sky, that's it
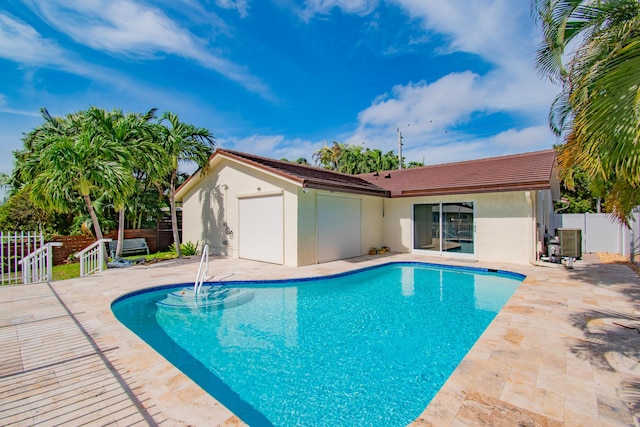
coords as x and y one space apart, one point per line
280 77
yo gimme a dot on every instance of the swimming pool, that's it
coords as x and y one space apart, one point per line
369 347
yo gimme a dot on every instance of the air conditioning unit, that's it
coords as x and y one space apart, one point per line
570 242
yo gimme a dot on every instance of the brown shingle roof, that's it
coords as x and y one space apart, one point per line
528 171
308 176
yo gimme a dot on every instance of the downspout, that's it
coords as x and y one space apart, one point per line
532 249
533 259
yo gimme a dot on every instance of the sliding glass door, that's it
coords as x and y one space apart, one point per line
444 227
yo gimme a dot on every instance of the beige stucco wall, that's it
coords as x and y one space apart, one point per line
504 227
215 200
507 224
370 224
372 228
306 227
504 223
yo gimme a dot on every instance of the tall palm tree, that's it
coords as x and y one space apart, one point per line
598 110
182 142
68 156
134 132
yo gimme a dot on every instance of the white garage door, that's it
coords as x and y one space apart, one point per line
260 234
338 228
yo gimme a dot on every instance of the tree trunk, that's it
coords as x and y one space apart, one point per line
94 221
120 232
94 218
174 215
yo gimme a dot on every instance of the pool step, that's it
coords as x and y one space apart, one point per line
206 292
209 296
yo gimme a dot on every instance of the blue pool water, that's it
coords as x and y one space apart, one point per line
367 348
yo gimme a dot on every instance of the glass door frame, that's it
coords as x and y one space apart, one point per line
442 219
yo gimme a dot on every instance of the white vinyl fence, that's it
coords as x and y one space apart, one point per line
600 232
13 247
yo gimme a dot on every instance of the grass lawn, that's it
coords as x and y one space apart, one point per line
71 271
66 271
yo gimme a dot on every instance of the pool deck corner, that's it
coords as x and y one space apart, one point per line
564 350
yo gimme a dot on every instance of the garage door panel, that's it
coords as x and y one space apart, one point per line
261 229
338 228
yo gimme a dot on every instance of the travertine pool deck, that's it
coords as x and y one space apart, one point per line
563 351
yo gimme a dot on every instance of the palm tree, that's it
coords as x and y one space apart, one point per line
134 132
598 110
182 141
66 157
329 157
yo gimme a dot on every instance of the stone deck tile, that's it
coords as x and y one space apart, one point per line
560 351
553 355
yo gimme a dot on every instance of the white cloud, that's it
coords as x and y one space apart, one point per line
272 146
126 27
240 5
324 7
18 112
498 30
447 100
437 120
198 14
522 140
433 115
255 144
21 43
501 32
459 146
122 27
4 108
495 29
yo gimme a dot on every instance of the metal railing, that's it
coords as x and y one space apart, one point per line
38 265
202 273
14 246
92 257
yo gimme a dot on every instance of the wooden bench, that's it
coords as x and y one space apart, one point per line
129 246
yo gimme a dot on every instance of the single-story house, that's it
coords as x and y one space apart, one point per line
253 207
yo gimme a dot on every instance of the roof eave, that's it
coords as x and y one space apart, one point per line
220 153
188 183
267 169
542 185
346 189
